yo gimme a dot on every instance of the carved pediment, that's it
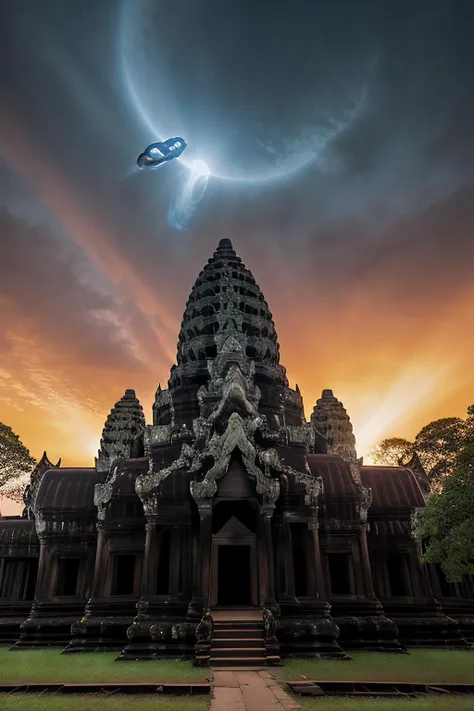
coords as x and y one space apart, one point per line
234 529
236 483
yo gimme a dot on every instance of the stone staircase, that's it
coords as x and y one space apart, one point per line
238 640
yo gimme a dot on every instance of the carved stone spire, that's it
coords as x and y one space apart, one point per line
122 430
225 300
29 494
418 471
332 421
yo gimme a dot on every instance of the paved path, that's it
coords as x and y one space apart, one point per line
249 691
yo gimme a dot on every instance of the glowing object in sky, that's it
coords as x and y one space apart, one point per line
188 195
158 153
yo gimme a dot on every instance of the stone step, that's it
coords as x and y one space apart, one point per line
242 652
237 642
274 661
243 626
236 634
256 662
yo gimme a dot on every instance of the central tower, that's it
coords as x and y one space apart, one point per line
226 301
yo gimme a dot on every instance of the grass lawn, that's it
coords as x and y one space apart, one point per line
43 665
421 665
101 703
436 703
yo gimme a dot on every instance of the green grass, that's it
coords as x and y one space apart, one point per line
48 665
432 703
421 665
101 703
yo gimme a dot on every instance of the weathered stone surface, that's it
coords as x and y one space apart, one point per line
122 431
330 418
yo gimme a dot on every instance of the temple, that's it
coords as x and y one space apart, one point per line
230 530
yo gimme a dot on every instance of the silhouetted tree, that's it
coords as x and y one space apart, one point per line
437 445
391 450
446 525
16 464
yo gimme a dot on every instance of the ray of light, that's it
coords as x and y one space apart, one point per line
300 153
188 195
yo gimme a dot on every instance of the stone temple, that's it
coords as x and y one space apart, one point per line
229 530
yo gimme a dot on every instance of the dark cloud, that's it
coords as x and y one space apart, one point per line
44 294
379 223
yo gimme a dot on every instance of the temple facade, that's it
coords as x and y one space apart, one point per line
229 529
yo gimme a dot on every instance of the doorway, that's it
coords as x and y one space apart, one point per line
234 575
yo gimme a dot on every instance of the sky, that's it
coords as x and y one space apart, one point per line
339 141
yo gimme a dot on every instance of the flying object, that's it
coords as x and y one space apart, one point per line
157 153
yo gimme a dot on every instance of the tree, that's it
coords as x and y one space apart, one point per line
446 525
438 446
16 464
390 451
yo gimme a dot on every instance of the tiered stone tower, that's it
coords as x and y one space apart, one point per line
332 421
122 431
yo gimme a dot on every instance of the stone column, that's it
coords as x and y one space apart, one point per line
320 591
97 582
205 544
150 559
415 568
47 571
288 560
365 562
267 522
39 590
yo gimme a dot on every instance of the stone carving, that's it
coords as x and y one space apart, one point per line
365 502
156 436
228 421
103 493
272 646
231 383
29 495
124 425
269 624
147 484
236 393
355 472
163 408
204 633
238 434
313 486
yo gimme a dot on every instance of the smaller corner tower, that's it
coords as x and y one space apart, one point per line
123 431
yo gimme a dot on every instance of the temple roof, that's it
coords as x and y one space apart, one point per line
392 487
225 300
335 473
68 490
16 533
124 475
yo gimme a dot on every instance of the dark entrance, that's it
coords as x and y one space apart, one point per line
234 575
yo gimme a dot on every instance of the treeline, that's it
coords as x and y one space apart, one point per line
445 526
